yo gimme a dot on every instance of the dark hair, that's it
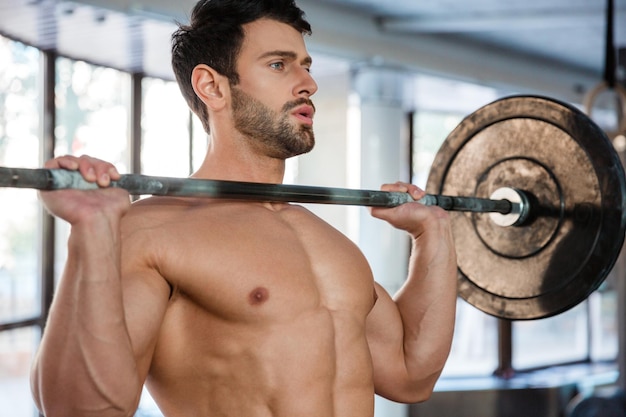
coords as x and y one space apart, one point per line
214 37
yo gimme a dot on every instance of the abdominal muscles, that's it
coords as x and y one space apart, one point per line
314 363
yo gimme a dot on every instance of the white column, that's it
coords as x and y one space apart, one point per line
384 158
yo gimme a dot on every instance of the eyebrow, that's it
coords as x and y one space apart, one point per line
286 54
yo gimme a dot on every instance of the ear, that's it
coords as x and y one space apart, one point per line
210 86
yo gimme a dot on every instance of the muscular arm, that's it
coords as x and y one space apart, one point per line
87 363
410 335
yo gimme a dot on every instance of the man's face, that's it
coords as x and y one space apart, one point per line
271 104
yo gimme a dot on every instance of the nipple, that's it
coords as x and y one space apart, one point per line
258 296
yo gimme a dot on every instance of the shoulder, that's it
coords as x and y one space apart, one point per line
322 236
152 213
309 222
150 230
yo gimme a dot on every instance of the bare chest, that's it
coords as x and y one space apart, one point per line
253 264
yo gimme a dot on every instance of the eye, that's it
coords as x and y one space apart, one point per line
277 65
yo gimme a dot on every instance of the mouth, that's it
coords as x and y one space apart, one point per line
305 114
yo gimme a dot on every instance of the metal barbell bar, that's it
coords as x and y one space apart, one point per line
514 206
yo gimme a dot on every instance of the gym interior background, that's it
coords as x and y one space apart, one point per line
93 77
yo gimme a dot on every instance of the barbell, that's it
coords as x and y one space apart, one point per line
535 189
135 184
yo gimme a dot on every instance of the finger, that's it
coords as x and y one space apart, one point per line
414 191
96 170
87 169
65 162
395 187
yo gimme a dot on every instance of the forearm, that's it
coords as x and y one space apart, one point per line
85 364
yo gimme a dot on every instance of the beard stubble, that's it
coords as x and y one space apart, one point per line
271 131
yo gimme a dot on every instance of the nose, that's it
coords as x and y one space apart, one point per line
306 86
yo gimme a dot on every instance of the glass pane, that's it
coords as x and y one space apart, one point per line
19 211
430 130
17 348
604 325
19 268
559 339
92 112
474 346
165 123
199 144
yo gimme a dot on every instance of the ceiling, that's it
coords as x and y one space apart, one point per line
555 47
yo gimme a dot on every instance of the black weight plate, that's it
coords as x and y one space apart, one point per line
575 181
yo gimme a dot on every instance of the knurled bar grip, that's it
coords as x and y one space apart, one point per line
135 184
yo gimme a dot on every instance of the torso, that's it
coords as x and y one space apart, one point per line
266 315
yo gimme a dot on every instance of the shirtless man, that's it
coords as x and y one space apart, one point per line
238 309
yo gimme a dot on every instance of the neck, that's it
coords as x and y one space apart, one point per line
239 163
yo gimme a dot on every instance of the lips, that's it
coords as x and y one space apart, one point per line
304 113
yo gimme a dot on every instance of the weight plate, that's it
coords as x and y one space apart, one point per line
576 186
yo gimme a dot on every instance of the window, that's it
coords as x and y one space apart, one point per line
166 130
560 339
92 112
17 348
19 226
603 322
